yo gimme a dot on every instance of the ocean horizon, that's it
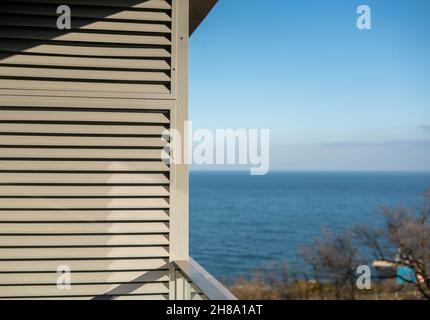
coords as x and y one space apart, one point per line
241 222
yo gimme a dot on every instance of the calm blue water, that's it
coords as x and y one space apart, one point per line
240 222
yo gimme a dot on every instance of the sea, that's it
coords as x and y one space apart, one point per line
239 222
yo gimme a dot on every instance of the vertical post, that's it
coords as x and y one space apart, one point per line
180 286
179 221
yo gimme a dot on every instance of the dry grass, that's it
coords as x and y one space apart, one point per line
259 288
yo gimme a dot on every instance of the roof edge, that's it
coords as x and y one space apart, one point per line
199 9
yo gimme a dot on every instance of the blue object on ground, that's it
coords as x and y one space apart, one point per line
405 275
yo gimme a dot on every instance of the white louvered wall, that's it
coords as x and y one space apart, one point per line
82 183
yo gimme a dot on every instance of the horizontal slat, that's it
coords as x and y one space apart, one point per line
87 240
82 253
93 290
44 153
83 228
47 104
82 116
84 86
90 94
149 4
83 179
82 191
125 297
86 24
82 215
21 46
10 140
59 203
93 62
93 166
83 74
86 12
84 265
8 99
81 129
84 278
46 34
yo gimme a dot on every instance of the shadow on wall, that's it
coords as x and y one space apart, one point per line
38 21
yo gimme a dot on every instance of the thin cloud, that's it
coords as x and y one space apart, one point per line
425 128
379 144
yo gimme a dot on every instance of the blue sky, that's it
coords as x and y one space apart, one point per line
333 96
